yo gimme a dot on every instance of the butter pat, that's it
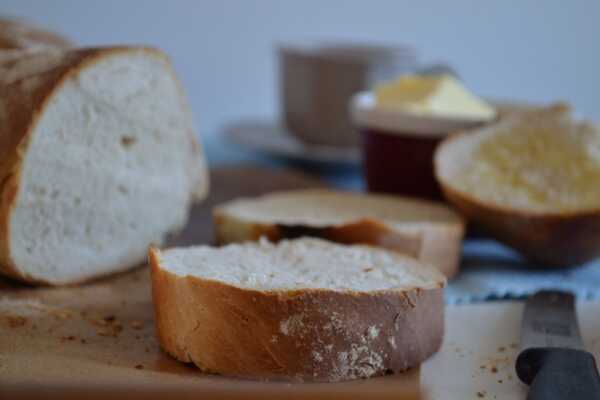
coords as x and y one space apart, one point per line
433 95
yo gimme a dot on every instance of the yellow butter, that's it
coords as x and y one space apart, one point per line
434 95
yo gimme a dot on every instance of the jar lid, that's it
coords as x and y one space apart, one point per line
365 112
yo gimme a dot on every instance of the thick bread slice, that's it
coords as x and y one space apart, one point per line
531 181
16 34
425 230
302 310
98 159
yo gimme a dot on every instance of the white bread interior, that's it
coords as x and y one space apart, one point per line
301 264
109 164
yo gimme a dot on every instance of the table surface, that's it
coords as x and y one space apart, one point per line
101 335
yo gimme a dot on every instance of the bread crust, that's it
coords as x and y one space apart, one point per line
300 335
553 239
24 95
17 34
438 244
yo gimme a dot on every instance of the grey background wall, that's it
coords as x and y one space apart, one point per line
223 49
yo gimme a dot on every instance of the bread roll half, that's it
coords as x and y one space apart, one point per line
531 181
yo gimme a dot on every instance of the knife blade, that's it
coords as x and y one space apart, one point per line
550 320
552 359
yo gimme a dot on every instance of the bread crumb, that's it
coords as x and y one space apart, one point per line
481 394
105 332
61 314
135 324
15 321
127 141
110 330
501 349
110 318
139 366
494 369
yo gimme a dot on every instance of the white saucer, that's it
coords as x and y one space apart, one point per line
271 138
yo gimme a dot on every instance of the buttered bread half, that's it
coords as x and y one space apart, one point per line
532 181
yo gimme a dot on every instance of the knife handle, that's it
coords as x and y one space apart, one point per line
559 373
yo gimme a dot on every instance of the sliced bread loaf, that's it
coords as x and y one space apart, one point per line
98 159
425 230
303 310
531 181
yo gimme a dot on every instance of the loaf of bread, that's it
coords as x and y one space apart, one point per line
531 181
98 159
300 310
428 231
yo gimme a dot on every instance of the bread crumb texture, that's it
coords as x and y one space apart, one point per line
545 163
301 264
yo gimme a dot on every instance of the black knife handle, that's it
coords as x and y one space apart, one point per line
559 373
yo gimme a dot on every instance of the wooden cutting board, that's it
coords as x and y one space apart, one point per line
100 337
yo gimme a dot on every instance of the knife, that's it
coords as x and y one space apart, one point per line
553 360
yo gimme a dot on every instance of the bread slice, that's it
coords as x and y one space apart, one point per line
98 159
16 34
425 230
301 310
531 181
